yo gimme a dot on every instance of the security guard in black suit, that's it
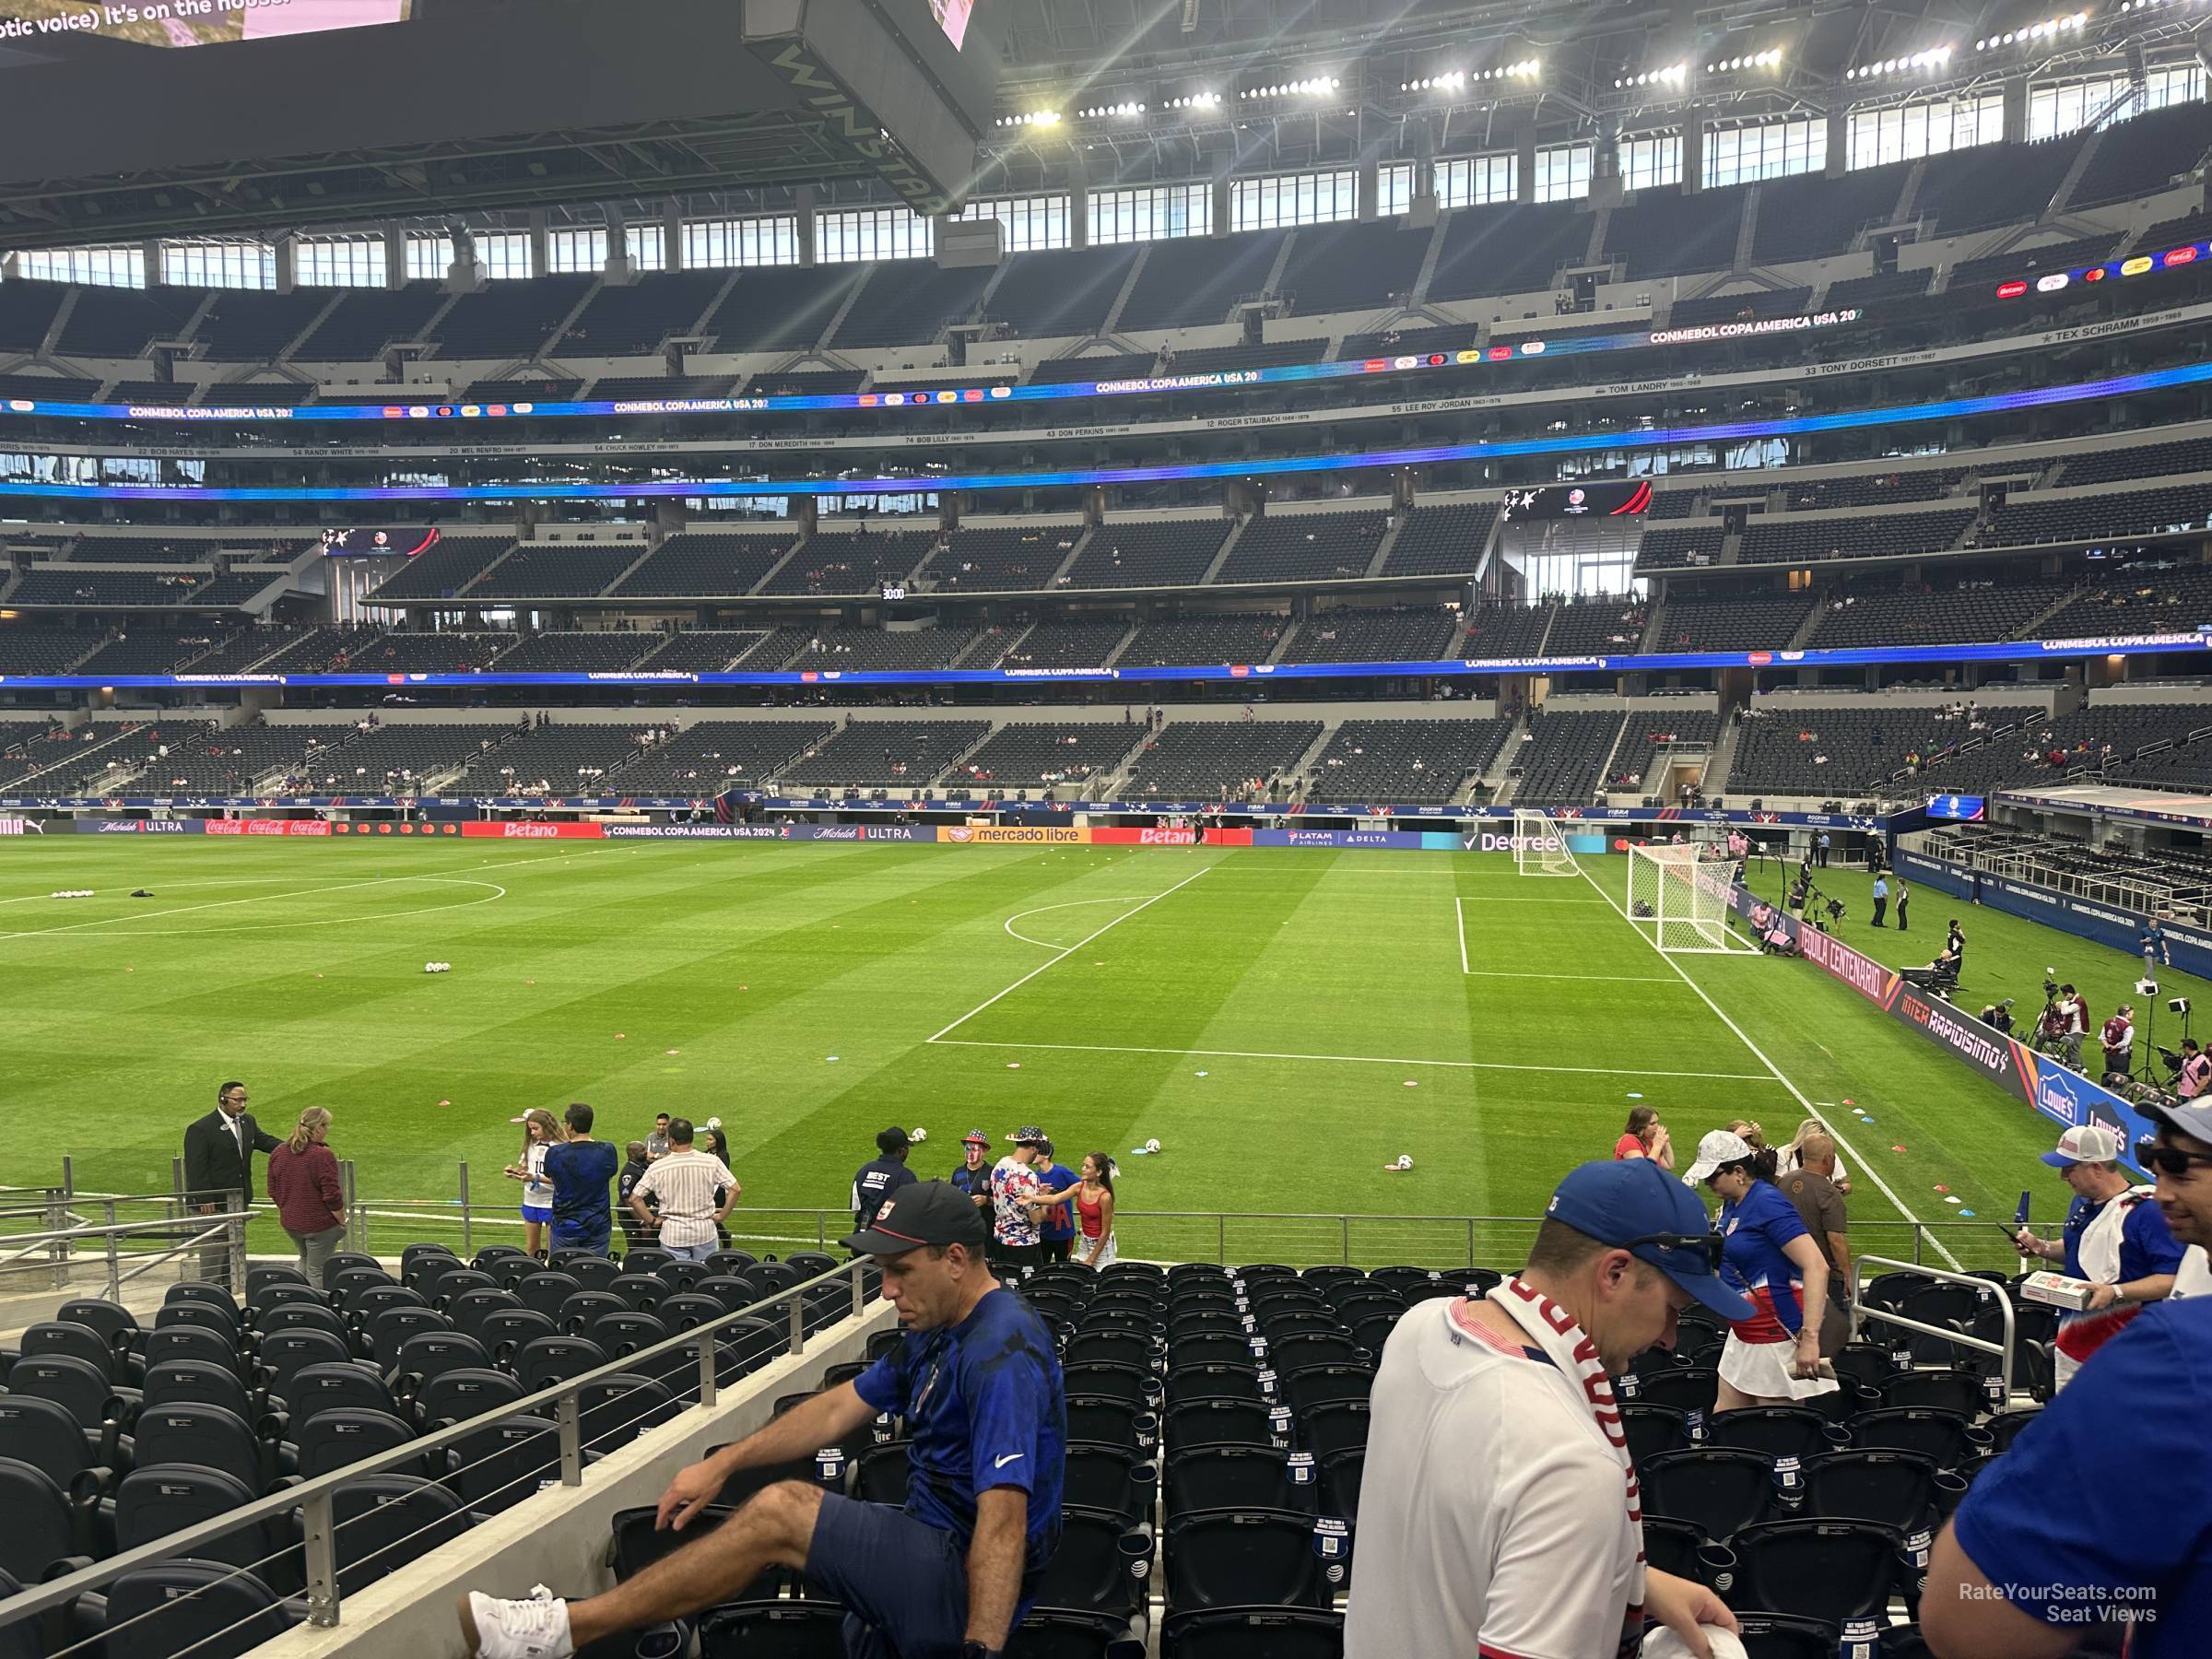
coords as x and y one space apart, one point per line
219 1168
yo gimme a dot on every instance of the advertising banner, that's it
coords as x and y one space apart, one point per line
386 826
1130 835
1021 835
1407 838
521 832
268 827
2064 1096
138 826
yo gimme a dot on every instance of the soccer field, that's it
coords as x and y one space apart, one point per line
1285 1023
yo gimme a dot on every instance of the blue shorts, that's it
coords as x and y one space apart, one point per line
904 1584
542 1216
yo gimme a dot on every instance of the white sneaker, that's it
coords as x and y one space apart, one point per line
535 1629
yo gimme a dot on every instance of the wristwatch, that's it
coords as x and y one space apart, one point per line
976 1650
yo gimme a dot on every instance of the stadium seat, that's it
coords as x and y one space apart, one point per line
1679 1548
879 1473
622 1334
1890 1489
1099 1566
498 1467
1340 1474
1115 1480
76 1385
1064 1635
685 1311
288 1353
216 1320
1780 1636
547 1292
642 1292
1217 1423
381 1522
774 1630
1230 1476
46 1436
592 1272
196 1382
358 1273
1238 1557
116 1325
1832 1571
1684 1387
429 1354
152 1504
1110 1421
348 1261
546 1361
120 1367
390 1332
1307 1350
638 1541
454 1396
301 1316
2004 1427
1253 1633
194 1292
339 1435
1239 1380
314 1388
1715 1491
364 1303
1957 1390
1944 1437
617 1410
210 1437
200 1607
1651 1429
39 1523
1333 1426
1323 1385
504 1331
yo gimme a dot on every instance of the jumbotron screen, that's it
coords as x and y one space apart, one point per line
1577 501
206 22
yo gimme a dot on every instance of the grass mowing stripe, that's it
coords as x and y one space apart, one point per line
1595 1071
1758 1053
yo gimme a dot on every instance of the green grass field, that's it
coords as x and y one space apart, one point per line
1284 1023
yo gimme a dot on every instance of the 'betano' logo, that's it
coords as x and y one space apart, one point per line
1761 659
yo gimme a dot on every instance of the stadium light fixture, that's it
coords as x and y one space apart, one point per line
1043 118
1314 85
1194 100
1768 59
1934 61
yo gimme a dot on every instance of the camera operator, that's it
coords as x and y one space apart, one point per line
2074 1024
2113 1237
1955 941
2118 1040
1997 1017
2051 1028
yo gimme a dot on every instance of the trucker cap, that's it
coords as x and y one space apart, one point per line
2084 1143
929 1212
1629 1204
2193 1118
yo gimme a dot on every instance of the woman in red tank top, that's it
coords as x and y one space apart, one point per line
1094 1212
1645 1136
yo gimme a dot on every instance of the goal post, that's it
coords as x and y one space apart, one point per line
1679 901
1540 846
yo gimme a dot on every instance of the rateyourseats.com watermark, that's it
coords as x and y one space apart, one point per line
2073 1604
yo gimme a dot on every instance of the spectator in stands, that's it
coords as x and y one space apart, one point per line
303 1185
2180 1157
539 1133
1094 1202
973 1176
1015 1241
880 1177
1813 1192
1645 1136
1774 1357
1791 1157
579 1169
2196 1071
695 1194
1518 1540
635 1232
1055 1214
717 1146
2118 1040
219 1168
2112 1238
978 1389
2049 1535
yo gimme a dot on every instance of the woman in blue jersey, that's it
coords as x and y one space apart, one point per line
1773 1358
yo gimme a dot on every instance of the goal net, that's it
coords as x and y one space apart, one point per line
1540 846
1677 900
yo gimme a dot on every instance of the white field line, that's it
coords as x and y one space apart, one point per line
182 910
1117 1048
1071 904
1856 1161
1065 951
1594 979
1459 917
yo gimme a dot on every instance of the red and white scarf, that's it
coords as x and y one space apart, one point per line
1552 1329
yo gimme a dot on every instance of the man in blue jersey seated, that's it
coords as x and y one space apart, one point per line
947 1577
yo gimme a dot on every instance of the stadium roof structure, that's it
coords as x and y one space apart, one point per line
464 104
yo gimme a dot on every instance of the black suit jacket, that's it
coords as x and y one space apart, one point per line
213 1168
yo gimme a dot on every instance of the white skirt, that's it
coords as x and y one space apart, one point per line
1108 1254
1762 1368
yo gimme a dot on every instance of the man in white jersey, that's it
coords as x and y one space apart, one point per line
2181 1160
1499 1512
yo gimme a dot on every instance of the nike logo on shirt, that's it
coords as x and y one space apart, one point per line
1002 1462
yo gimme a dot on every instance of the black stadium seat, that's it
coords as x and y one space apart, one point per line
774 1630
1832 1571
381 1522
1253 1633
341 1435
1210 1478
1716 1491
39 1525
1235 1558
201 1608
1099 1566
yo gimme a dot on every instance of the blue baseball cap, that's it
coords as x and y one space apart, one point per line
1630 1204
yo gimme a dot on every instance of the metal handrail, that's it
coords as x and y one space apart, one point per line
314 1497
2004 1295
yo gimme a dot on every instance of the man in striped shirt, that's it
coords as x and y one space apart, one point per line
695 1191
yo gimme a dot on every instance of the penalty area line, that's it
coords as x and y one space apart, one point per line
1759 1054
